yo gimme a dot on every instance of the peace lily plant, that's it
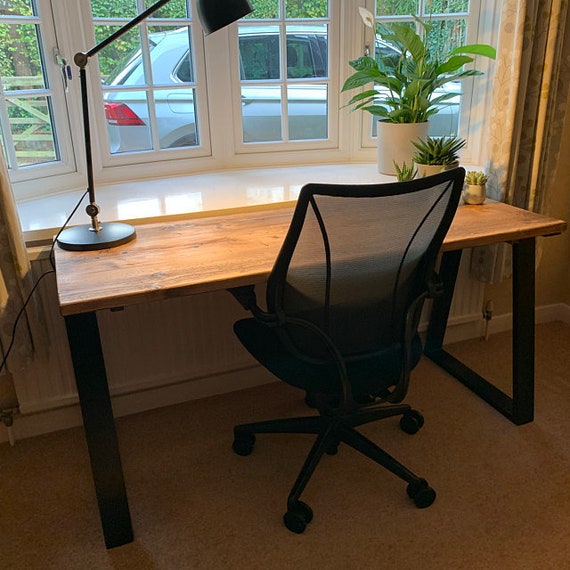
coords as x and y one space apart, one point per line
404 88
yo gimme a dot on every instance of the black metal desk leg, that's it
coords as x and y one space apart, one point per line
99 424
523 330
519 407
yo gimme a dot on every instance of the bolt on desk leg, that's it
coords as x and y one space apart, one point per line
99 425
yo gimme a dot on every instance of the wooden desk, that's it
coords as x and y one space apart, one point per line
209 254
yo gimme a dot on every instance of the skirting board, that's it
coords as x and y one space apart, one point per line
65 417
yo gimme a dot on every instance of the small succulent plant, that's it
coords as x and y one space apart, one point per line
438 150
405 172
476 178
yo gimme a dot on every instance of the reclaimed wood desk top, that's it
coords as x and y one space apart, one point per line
213 253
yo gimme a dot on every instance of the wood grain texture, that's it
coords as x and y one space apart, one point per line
208 254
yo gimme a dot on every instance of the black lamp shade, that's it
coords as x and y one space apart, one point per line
216 14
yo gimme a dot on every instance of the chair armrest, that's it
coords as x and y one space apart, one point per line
246 297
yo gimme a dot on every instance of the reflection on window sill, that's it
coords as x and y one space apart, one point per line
187 196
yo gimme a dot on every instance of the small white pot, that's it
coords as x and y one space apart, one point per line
474 193
395 143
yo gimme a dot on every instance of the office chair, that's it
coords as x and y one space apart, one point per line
343 304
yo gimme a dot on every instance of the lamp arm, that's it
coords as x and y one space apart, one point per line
81 59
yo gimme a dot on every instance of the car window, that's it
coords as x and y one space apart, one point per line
127 66
299 58
259 57
184 71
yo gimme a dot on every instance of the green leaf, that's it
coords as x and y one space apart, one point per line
410 41
477 49
361 78
453 64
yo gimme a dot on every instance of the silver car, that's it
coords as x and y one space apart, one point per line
172 98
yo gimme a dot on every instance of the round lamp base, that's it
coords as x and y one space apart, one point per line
84 238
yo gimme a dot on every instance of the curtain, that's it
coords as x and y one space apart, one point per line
530 93
14 282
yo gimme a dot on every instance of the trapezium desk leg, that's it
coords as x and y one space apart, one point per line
520 407
99 425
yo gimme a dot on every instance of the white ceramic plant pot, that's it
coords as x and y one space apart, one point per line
474 193
395 143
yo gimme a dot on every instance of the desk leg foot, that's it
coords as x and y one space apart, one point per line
99 425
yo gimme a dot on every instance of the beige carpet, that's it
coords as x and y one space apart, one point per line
503 491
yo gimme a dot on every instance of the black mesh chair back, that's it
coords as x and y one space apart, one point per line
355 260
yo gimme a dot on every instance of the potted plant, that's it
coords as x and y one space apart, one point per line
406 86
404 171
434 154
475 189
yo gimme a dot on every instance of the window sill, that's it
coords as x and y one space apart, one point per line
189 196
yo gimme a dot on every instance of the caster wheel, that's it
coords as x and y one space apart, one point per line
298 516
421 493
411 422
243 444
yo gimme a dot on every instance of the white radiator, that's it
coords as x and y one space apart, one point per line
163 352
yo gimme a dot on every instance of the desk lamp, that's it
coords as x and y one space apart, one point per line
214 15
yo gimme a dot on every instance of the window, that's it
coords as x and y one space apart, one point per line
150 89
164 100
284 74
34 128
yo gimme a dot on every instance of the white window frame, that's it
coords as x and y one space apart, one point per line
332 81
62 172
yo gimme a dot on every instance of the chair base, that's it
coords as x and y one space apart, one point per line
331 430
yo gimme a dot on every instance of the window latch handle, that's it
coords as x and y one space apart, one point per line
65 68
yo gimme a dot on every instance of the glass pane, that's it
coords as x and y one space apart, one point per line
307 110
176 115
259 52
32 130
169 56
447 35
127 121
20 62
261 113
11 8
173 9
396 7
304 9
307 51
106 9
264 9
445 122
121 63
446 6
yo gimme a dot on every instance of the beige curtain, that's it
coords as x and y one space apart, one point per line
14 277
530 92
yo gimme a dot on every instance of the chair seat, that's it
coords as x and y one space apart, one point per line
369 374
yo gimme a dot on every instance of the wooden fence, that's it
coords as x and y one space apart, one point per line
30 121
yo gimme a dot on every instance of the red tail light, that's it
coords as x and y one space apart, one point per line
121 115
